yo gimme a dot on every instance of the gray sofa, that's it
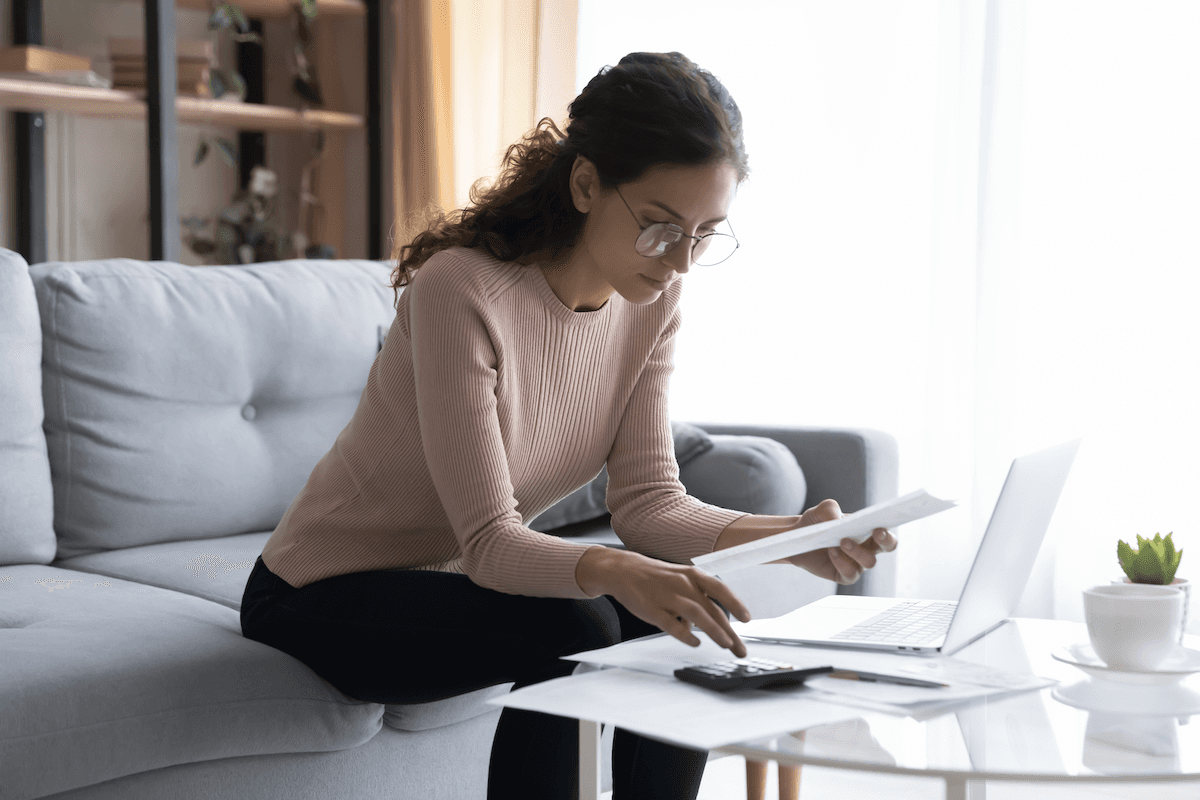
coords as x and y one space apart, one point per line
155 422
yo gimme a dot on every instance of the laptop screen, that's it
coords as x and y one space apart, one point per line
1010 545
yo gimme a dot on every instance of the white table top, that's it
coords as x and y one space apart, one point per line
1034 735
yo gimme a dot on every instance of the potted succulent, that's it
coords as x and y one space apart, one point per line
1155 561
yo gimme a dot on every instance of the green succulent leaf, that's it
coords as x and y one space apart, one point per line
228 151
1171 555
239 18
220 18
246 37
239 84
201 153
1125 556
1155 560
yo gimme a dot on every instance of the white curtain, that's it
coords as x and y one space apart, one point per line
511 63
972 224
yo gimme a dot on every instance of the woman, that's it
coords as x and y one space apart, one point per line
532 346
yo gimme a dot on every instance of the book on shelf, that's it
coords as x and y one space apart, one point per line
123 47
184 73
138 64
191 89
194 59
200 93
32 58
66 77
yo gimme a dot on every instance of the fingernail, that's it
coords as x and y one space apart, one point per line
847 546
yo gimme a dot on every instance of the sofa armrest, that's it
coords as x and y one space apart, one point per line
857 467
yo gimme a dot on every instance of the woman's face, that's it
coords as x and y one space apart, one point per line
697 199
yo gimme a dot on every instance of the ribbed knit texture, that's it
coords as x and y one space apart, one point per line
489 402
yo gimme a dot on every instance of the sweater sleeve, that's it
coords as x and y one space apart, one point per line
651 511
455 367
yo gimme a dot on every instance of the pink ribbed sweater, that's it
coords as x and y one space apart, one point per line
489 402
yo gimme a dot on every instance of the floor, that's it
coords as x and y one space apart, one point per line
725 779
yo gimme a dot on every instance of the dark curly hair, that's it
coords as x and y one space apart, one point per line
651 109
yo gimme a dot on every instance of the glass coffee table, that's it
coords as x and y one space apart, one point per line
1093 727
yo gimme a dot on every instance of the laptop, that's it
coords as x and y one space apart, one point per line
990 595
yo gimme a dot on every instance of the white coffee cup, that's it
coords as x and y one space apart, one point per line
1133 626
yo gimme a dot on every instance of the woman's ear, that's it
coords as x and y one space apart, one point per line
585 184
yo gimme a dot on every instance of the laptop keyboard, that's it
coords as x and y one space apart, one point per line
910 621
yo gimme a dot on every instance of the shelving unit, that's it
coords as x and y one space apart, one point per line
163 109
21 95
271 9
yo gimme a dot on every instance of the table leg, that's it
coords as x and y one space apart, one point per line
756 779
956 788
789 774
789 782
589 760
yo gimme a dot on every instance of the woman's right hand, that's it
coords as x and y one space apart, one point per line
672 597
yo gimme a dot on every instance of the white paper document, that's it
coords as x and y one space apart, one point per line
857 526
662 655
922 702
674 711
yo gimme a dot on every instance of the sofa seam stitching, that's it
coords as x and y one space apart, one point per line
201 706
62 402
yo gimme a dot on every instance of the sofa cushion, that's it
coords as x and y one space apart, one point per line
103 678
217 570
587 502
214 569
755 474
26 499
747 473
188 403
427 716
690 441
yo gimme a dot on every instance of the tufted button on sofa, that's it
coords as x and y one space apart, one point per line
155 422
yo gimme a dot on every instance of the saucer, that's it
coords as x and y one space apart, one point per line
1170 700
1182 662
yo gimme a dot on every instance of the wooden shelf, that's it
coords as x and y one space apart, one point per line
19 95
269 9
258 117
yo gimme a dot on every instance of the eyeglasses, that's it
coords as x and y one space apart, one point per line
663 237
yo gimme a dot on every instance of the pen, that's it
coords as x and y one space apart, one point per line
849 675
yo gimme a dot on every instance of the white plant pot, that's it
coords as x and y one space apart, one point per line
1182 585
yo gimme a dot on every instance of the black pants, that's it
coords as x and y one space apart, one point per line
415 636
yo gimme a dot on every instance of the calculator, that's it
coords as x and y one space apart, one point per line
747 673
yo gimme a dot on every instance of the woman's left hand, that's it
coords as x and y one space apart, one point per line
847 563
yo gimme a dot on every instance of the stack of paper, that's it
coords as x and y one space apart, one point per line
857 526
47 65
669 709
636 688
965 681
662 655
193 60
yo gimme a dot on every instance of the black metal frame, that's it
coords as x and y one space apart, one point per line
161 125
161 85
374 32
252 66
29 143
